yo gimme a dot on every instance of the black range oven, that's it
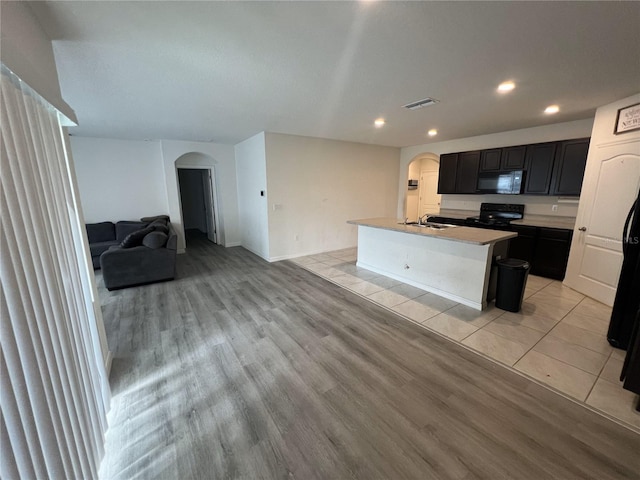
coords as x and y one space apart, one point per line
496 216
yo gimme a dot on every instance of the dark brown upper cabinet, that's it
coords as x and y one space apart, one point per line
490 160
497 159
554 168
513 158
571 159
467 173
459 172
539 165
448 170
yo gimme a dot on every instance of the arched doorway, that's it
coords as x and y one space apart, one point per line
197 194
422 190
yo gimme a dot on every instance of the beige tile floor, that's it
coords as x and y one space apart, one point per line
558 338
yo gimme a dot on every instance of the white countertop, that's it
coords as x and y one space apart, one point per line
476 236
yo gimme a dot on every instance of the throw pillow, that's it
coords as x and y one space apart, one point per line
157 217
155 240
160 221
134 239
160 228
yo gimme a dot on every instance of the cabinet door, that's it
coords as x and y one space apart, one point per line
490 160
523 246
447 176
539 167
467 174
569 167
551 253
513 158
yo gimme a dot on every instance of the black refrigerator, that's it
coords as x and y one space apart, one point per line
627 301
624 329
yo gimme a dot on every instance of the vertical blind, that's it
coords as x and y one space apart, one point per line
53 385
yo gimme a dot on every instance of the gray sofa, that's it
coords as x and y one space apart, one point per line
147 254
105 235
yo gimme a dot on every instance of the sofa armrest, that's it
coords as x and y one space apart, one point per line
172 241
123 267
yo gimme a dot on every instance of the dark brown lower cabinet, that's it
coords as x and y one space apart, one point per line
546 249
524 245
552 253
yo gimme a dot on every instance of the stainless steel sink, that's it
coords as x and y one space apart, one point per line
438 226
431 225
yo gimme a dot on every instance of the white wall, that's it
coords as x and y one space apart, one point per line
602 133
27 51
211 155
129 179
119 179
535 204
316 185
251 172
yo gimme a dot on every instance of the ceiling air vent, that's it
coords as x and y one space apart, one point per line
421 103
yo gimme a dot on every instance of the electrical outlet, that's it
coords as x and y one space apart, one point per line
554 208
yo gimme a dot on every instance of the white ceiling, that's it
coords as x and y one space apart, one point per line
224 71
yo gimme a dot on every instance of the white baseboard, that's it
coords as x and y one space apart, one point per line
298 255
232 244
255 253
285 257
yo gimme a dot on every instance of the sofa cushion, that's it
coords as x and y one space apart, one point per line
97 248
155 240
157 217
134 239
101 232
124 228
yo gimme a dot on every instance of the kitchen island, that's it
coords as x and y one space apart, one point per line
453 262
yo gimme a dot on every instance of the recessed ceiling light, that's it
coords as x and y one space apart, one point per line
432 132
506 87
379 122
551 109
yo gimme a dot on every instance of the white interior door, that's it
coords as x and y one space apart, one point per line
610 186
210 205
429 199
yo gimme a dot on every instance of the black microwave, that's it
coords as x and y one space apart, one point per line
508 182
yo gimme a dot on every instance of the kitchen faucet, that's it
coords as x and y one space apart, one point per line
425 217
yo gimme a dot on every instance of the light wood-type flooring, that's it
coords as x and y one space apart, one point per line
244 369
559 337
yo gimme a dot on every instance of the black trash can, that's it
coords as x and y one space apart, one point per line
512 279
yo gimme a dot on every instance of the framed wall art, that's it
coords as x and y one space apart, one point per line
628 119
